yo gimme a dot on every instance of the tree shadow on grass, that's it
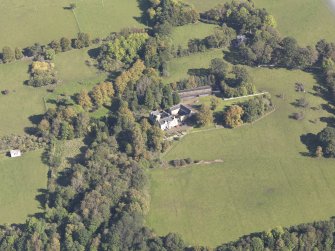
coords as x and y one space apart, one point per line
310 140
198 72
328 108
36 119
320 89
63 178
143 6
219 118
41 197
93 53
330 121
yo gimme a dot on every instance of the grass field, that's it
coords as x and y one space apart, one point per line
24 101
178 67
182 34
265 181
28 21
306 20
21 102
21 179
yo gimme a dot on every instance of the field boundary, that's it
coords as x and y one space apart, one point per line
246 96
216 128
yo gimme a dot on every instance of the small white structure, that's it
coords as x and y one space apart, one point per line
15 153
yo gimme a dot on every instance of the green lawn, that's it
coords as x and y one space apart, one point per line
25 22
178 67
306 20
202 5
21 179
23 101
182 34
265 180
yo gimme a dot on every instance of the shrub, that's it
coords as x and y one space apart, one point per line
175 162
189 161
42 73
183 162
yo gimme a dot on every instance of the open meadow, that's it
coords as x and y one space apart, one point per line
21 181
266 180
182 34
306 20
16 116
26 22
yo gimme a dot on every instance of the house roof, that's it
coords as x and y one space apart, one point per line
200 88
15 152
166 119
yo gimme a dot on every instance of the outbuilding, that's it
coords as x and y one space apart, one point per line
15 153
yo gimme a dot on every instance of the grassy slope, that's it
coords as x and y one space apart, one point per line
182 34
22 101
306 20
18 106
28 21
265 180
21 178
178 67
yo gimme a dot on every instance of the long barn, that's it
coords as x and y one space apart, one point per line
196 92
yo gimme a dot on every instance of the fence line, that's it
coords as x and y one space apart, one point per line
246 96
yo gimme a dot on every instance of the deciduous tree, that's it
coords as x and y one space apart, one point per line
232 116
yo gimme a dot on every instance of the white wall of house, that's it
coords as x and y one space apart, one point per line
173 123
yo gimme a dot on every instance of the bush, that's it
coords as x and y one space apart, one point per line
189 161
5 92
42 73
175 162
183 162
298 116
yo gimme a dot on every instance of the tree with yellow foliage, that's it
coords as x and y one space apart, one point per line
84 100
133 74
232 116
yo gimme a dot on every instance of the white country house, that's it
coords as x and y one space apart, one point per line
170 118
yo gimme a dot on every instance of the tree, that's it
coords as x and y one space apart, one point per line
257 244
18 53
149 100
55 45
318 152
155 138
204 116
167 99
222 37
84 100
214 102
219 68
176 98
138 142
132 75
302 102
232 116
241 75
97 95
327 141
83 40
270 21
49 54
65 44
44 127
8 55
173 242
